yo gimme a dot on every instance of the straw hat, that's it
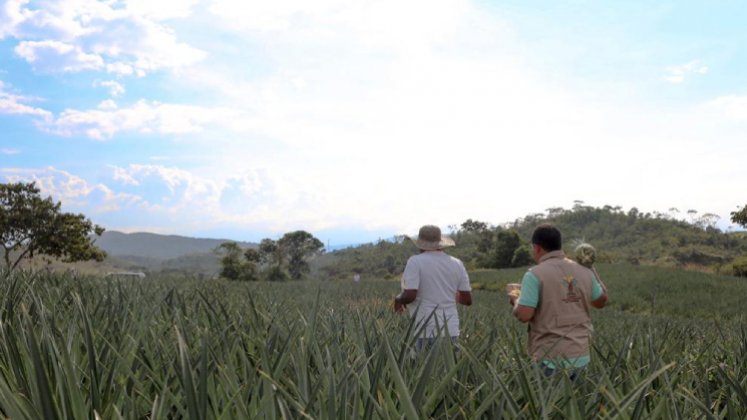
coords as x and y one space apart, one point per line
430 239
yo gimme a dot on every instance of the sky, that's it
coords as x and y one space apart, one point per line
357 120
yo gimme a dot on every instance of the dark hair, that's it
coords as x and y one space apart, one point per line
547 237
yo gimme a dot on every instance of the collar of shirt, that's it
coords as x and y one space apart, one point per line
552 254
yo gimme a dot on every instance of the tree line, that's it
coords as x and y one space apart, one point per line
273 260
33 226
668 238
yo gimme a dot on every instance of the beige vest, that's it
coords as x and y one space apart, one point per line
561 326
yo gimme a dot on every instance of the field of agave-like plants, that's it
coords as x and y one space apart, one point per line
74 347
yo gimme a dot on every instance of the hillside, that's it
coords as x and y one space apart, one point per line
147 252
155 246
644 238
633 237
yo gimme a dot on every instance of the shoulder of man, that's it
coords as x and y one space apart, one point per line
421 258
575 264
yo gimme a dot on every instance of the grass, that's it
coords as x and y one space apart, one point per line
87 347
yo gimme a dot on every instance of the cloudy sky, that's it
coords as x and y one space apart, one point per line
360 119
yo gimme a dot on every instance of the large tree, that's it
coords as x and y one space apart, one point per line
506 244
31 225
298 246
740 217
232 266
280 259
230 260
271 257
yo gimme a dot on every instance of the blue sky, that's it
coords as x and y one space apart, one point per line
358 120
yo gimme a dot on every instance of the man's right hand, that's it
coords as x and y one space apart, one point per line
399 307
401 300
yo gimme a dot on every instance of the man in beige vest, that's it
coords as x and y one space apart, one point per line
555 299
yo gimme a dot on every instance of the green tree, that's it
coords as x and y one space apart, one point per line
298 246
474 226
506 244
252 258
237 263
390 264
269 253
739 267
740 216
31 225
522 257
230 261
271 258
252 255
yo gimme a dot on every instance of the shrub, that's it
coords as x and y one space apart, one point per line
739 267
276 273
522 257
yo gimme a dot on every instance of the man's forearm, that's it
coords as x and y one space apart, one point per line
406 297
599 279
521 312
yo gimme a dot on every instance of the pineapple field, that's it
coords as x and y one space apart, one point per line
672 344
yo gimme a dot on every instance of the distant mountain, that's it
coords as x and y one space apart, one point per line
153 246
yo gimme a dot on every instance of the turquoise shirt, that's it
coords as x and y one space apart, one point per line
530 294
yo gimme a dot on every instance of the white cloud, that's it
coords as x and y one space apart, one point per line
143 117
123 176
77 35
6 151
677 74
109 118
115 88
169 190
377 115
266 16
12 14
733 107
107 105
14 104
392 113
162 9
73 191
385 23
55 56
263 198
61 185
121 69
145 45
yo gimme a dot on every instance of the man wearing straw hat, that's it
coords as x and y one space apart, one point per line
433 283
556 296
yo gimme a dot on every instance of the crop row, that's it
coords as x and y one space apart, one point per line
84 347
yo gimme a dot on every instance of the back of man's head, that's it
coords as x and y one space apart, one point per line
547 237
